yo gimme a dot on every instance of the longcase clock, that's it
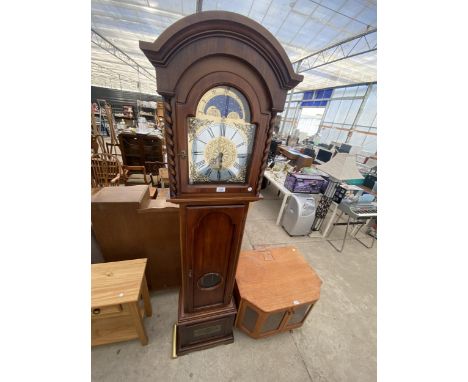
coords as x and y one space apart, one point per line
223 78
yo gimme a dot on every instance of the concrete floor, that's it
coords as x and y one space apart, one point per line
336 343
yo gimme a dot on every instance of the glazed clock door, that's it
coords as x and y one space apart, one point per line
220 138
212 245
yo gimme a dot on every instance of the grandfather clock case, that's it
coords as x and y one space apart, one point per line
223 78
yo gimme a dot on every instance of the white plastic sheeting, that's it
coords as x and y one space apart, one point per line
302 26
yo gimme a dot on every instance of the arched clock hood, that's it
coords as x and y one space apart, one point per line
212 33
217 48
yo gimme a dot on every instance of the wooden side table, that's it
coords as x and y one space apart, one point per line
276 288
119 302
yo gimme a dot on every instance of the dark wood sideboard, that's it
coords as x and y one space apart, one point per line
140 148
129 225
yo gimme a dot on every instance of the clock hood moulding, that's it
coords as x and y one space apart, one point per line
243 34
214 49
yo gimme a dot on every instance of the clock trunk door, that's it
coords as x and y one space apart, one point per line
212 249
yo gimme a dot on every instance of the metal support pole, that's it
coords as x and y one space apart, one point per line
286 112
295 118
358 114
288 106
323 117
139 83
199 6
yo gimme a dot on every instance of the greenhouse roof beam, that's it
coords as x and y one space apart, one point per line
106 45
354 46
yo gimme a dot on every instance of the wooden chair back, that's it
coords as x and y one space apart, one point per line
110 121
112 149
95 130
137 149
94 145
97 143
106 170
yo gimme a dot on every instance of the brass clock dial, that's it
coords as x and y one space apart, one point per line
220 138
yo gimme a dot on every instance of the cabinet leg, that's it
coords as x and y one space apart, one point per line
146 298
138 322
283 205
327 228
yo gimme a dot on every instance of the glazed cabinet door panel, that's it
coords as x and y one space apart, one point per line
297 315
213 243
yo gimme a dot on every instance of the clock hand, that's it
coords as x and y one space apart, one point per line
220 161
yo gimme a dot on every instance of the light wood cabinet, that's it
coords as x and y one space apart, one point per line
119 302
276 289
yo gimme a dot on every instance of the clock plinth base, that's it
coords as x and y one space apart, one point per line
182 350
204 329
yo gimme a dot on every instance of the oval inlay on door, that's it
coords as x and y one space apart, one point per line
209 280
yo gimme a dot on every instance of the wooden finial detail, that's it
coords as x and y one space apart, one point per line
170 146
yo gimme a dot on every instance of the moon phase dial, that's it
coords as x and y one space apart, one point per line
220 138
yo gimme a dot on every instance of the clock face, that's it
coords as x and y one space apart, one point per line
220 138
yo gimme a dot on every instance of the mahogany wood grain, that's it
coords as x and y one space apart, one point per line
193 55
217 321
212 253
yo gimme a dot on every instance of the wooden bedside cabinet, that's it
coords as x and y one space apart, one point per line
276 289
119 302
